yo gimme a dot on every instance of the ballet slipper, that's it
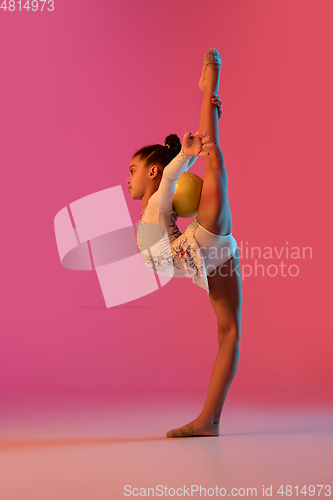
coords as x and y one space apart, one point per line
188 431
211 57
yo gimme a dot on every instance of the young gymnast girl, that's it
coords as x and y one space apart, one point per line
206 251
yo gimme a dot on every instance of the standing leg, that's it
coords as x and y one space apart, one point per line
226 297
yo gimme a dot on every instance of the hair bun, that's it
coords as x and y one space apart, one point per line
173 142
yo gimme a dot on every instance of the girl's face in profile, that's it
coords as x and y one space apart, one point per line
138 179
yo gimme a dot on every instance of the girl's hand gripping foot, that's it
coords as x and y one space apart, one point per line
196 145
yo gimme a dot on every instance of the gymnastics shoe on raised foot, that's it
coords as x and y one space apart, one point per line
188 431
211 57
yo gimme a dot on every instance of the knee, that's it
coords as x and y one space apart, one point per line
216 161
229 332
216 154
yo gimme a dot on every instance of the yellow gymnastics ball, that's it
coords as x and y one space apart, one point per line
187 195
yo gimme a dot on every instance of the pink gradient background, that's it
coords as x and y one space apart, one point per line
81 89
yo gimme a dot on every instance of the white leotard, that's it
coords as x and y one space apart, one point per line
164 248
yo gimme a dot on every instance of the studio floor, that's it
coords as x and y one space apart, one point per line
103 449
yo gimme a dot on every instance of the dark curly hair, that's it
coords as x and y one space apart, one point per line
157 153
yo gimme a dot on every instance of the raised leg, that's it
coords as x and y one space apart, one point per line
214 211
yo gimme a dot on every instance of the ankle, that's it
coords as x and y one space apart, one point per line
210 89
205 422
212 82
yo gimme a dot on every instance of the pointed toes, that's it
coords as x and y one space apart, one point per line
183 431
